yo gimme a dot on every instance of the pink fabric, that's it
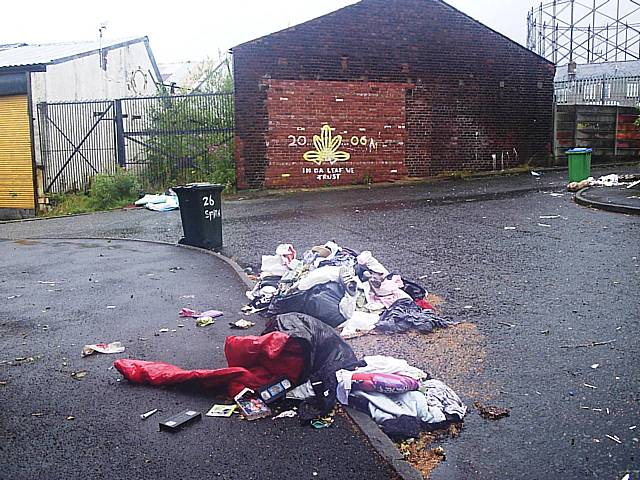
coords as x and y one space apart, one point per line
388 292
383 382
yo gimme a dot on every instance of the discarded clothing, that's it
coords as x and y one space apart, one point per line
383 383
343 258
325 354
341 288
439 395
434 403
253 362
272 266
282 262
386 364
359 322
319 276
405 315
376 364
263 292
368 262
388 291
384 407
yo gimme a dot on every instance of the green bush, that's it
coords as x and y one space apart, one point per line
111 191
106 192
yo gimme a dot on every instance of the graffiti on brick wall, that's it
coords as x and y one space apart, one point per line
328 150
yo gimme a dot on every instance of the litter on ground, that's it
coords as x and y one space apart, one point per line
242 324
159 203
491 412
205 321
114 347
310 303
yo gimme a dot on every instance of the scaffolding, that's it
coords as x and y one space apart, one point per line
569 32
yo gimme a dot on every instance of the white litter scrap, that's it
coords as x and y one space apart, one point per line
544 225
606 180
554 194
614 438
549 217
509 228
113 347
360 322
146 415
287 414
159 203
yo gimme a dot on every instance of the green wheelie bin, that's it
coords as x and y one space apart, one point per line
579 160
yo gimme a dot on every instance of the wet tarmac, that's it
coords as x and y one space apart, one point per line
550 287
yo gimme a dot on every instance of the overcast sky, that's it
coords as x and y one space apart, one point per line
193 30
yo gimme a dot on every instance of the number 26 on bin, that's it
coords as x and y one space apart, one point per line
208 201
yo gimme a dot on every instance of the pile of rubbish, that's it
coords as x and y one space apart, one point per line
159 203
301 358
350 291
613 180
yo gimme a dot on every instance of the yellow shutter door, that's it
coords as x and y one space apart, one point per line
16 166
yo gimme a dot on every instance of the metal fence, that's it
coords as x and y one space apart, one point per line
605 90
163 140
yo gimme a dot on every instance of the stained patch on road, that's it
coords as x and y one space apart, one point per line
455 354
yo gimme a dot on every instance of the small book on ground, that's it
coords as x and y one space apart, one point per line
221 410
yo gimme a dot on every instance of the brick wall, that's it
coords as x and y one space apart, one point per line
368 117
470 97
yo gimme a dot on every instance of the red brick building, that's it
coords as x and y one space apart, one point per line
385 89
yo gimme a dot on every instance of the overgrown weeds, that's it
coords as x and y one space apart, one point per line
105 193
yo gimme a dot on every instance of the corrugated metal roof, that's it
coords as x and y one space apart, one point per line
627 68
22 55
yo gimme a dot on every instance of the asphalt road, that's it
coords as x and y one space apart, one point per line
55 298
538 275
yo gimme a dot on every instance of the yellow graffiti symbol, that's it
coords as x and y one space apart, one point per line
326 148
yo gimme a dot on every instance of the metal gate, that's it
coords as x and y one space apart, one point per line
163 140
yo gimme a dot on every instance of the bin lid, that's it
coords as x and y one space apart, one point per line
580 150
201 185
